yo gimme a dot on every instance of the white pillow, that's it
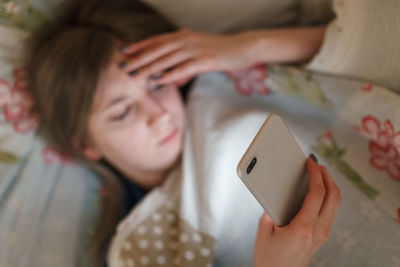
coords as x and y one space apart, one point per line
227 15
363 42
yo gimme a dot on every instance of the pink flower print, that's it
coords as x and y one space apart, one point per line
51 156
250 80
383 145
385 158
396 141
371 128
20 76
326 138
5 96
367 87
327 135
25 125
398 215
16 108
16 111
16 103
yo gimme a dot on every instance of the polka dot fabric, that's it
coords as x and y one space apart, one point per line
165 239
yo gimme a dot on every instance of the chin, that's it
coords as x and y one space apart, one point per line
171 155
175 156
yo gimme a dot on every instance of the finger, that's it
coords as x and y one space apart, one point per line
141 45
308 214
149 56
265 225
332 200
189 68
183 81
171 60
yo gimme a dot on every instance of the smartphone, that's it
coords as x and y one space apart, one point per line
274 169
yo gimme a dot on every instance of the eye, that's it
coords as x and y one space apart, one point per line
123 114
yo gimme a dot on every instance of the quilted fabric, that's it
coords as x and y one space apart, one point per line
362 42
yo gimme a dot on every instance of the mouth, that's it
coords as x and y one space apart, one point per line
169 137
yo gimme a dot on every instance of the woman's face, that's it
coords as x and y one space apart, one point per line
135 125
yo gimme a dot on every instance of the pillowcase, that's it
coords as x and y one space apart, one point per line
363 42
48 205
314 12
228 15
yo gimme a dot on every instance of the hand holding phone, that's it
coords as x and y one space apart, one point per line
274 169
296 243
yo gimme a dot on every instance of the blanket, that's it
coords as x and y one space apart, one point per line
203 215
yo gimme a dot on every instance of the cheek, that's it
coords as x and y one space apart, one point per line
134 138
121 141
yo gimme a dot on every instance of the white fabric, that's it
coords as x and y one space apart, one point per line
363 42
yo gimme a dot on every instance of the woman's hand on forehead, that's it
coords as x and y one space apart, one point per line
179 56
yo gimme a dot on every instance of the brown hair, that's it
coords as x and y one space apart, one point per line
64 64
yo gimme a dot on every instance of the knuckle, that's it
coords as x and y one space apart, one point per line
206 54
193 38
305 234
139 60
186 33
153 67
324 235
324 169
173 76
207 63
336 193
320 190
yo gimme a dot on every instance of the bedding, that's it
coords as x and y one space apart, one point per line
204 216
48 206
228 15
362 42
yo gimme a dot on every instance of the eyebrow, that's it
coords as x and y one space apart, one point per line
115 101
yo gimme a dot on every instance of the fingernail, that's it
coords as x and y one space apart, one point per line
124 64
134 72
314 158
125 49
157 76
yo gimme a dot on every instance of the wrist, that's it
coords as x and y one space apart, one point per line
255 45
284 45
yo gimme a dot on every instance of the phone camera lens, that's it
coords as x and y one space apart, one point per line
251 165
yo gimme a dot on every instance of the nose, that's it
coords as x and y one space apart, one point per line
157 115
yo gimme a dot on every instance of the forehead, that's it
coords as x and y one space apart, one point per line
114 83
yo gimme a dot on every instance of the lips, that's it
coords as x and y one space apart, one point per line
169 137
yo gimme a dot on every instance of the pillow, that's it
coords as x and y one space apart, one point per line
227 15
363 42
48 205
316 12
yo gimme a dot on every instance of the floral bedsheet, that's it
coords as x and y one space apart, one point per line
206 216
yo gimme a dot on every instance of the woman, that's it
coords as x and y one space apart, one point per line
118 108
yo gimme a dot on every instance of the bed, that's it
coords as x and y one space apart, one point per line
351 121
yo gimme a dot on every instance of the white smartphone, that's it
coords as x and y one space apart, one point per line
274 169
